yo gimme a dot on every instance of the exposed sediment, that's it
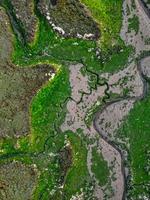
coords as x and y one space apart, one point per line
108 120
76 113
137 40
111 117
126 82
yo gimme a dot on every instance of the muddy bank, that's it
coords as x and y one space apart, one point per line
75 119
108 120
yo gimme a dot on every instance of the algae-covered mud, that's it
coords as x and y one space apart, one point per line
74 100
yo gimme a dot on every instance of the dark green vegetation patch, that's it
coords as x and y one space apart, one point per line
99 167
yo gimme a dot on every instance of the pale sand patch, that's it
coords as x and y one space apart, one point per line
113 115
113 158
126 79
90 100
110 119
78 82
76 113
136 40
75 120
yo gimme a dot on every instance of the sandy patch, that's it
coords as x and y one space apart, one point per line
125 83
113 158
112 116
78 82
74 120
127 79
131 38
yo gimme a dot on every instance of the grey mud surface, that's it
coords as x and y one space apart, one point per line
75 120
109 119
128 85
